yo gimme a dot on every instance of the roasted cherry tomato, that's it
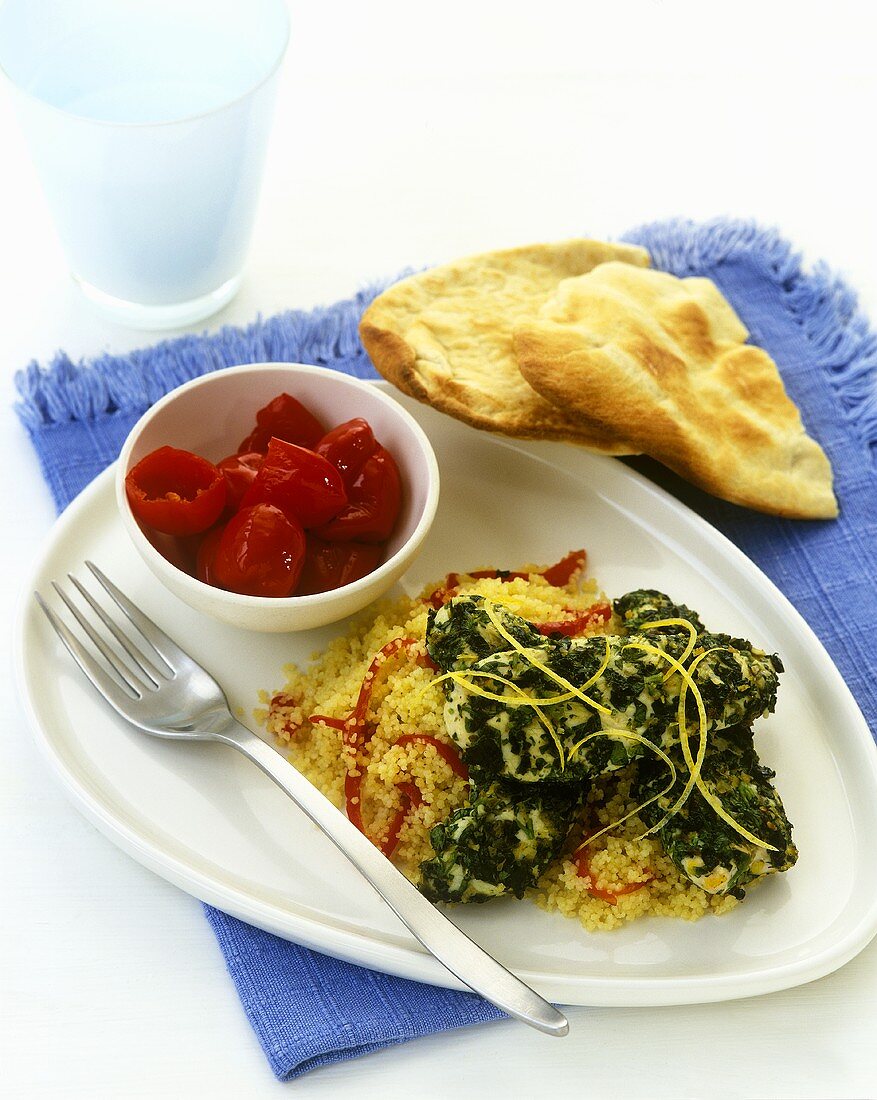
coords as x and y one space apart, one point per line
260 552
347 447
300 482
330 565
175 492
240 472
287 419
204 570
374 500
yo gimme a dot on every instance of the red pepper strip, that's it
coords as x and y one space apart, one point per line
353 800
446 752
388 845
412 792
365 692
411 798
324 720
352 783
562 572
392 838
354 732
559 575
440 596
583 870
281 699
599 613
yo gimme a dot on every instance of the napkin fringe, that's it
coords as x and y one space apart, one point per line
66 391
820 301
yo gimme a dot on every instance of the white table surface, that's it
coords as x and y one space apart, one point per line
406 134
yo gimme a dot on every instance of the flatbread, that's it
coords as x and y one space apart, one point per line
663 361
445 337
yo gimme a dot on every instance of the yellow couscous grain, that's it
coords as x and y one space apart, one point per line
405 704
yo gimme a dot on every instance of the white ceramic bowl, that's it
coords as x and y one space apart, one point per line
212 414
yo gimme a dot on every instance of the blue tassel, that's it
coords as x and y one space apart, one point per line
123 384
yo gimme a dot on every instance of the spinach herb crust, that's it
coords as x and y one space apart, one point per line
500 842
703 847
606 701
571 740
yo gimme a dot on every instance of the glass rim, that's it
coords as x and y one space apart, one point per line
183 119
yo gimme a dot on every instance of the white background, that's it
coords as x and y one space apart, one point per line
408 133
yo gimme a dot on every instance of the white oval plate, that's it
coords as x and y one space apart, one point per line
205 819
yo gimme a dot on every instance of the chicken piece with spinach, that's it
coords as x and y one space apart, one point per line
637 609
646 605
706 849
608 697
500 842
537 719
461 632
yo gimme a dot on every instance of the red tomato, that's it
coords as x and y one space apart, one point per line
175 492
260 552
240 472
347 447
375 497
300 482
287 419
204 569
330 565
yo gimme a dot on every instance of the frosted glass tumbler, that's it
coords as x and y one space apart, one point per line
148 122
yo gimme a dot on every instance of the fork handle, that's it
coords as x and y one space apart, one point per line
453 948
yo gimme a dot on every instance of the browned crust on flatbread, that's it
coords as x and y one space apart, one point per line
396 358
693 396
389 332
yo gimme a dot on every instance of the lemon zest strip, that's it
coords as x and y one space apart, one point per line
631 813
603 666
695 770
692 640
516 645
695 766
459 677
709 797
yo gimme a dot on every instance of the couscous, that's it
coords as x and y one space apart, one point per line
466 734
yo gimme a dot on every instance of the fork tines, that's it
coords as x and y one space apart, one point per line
136 673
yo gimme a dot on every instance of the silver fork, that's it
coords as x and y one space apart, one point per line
163 691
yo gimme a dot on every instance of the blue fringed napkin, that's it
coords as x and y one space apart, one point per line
309 1010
